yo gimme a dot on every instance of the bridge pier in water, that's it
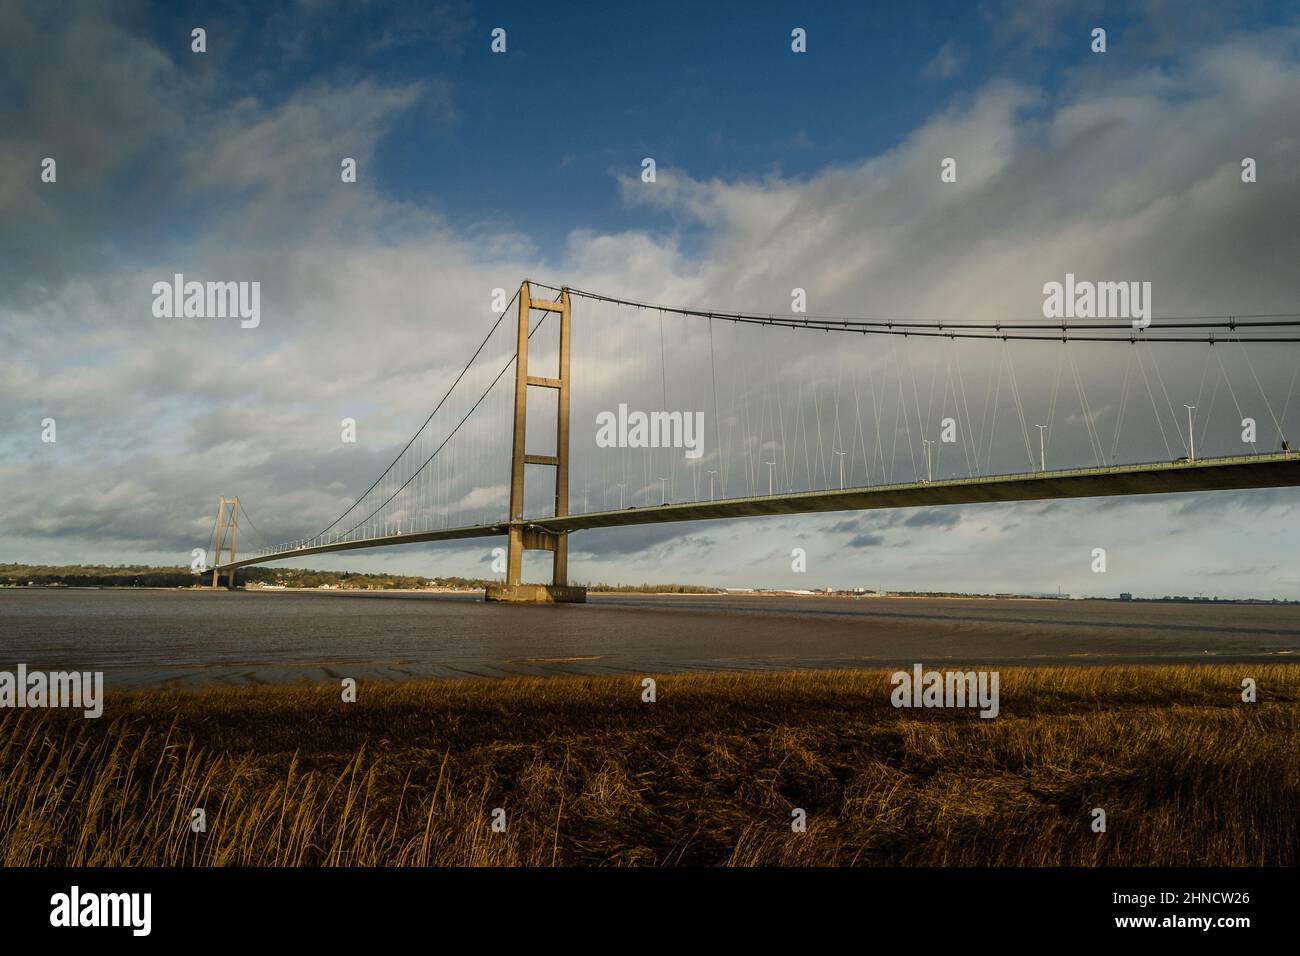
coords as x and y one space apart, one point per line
523 537
535 594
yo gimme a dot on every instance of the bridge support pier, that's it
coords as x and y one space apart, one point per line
535 594
227 520
522 537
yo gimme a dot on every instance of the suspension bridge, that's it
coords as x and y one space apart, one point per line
872 413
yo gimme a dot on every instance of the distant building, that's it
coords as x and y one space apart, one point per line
1125 596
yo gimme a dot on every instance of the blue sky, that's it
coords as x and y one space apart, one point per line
585 89
776 170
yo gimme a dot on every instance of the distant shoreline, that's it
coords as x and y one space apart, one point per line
872 596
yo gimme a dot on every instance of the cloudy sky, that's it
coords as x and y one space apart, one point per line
775 170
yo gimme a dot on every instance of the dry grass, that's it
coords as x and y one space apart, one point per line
588 774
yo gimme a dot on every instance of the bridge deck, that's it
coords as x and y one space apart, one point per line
1212 474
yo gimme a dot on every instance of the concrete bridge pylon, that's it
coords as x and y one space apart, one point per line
523 536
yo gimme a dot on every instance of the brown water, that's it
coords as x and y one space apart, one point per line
141 637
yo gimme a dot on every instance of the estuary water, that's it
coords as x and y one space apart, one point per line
142 637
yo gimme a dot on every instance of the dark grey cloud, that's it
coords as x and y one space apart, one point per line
118 109
604 544
932 518
945 517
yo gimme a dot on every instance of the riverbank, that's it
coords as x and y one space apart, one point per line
586 772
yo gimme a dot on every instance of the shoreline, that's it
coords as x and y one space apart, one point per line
771 594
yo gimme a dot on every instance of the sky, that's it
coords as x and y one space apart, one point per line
775 170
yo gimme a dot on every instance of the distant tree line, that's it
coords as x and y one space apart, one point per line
137 575
95 575
143 576
653 588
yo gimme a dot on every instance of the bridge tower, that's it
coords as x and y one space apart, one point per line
523 536
227 520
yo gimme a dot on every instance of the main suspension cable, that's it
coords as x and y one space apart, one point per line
1004 330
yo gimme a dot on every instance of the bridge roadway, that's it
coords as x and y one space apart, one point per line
1210 474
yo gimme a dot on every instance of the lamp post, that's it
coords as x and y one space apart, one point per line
712 472
929 471
771 471
841 457
1191 438
663 491
1042 447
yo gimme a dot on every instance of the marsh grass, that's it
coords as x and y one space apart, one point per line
707 775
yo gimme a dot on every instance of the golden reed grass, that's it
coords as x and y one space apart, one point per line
589 775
